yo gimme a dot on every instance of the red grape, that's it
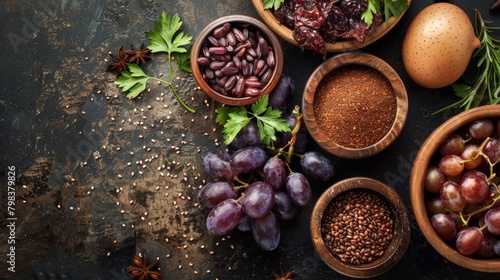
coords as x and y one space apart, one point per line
266 231
217 165
492 150
248 159
481 128
487 247
434 179
452 145
214 193
275 172
444 226
224 217
317 166
298 189
258 199
469 240
450 196
474 188
434 205
471 156
283 207
451 165
492 220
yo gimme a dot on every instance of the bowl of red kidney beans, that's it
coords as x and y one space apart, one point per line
236 60
325 26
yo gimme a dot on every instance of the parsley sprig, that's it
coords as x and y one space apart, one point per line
166 37
487 80
391 8
268 120
275 4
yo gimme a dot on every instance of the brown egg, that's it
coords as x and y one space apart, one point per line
438 45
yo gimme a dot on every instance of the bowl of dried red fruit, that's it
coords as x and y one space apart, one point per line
360 227
454 189
237 59
336 26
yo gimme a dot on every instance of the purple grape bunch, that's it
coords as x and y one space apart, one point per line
255 186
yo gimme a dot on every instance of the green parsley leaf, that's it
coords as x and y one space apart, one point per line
184 61
166 36
275 4
391 8
394 8
134 81
372 8
268 120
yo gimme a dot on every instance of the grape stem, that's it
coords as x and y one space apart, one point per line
466 217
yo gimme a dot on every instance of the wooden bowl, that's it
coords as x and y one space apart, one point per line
267 33
340 46
333 64
417 198
401 234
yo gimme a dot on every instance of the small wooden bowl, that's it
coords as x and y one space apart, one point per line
340 46
267 33
396 248
334 63
417 179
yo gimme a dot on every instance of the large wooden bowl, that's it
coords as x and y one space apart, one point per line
396 248
334 63
340 46
417 198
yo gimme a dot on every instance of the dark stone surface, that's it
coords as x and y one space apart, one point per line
77 219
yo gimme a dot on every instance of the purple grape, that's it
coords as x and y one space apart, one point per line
298 189
224 217
214 193
250 135
317 166
266 231
302 138
275 172
248 159
258 199
245 223
217 165
281 96
284 208
496 247
492 150
487 247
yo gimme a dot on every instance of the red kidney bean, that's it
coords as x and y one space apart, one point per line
270 60
231 40
259 66
239 35
264 48
239 87
203 61
216 64
229 71
217 50
237 62
252 83
266 77
252 92
222 30
214 41
230 83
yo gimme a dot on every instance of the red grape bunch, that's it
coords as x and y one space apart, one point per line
255 185
462 198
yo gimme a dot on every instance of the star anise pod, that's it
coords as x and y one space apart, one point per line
141 271
139 55
119 62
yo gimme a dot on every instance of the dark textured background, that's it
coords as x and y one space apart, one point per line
59 110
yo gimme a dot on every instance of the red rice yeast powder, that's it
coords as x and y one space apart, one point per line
355 106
